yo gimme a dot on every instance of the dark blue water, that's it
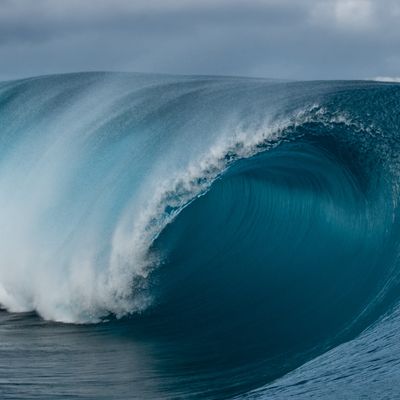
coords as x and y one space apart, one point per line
198 237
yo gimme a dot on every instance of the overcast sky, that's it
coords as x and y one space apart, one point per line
296 39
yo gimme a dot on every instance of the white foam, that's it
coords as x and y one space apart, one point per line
394 79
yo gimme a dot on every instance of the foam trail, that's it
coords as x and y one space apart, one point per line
393 79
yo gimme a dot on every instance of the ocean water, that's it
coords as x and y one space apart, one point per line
166 237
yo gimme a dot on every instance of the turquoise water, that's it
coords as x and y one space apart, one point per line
198 237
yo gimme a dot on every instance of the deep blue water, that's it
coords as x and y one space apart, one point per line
198 238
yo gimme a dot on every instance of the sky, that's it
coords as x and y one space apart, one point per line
289 39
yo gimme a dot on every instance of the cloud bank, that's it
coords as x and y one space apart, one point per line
305 39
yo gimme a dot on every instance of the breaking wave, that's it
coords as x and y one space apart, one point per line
227 212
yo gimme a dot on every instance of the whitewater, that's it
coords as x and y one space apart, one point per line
198 237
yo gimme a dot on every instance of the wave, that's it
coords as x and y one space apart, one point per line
226 212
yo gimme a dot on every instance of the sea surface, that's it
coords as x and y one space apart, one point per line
199 237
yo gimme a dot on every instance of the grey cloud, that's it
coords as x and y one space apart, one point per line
305 39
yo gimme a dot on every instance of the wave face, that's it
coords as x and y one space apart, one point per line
239 227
